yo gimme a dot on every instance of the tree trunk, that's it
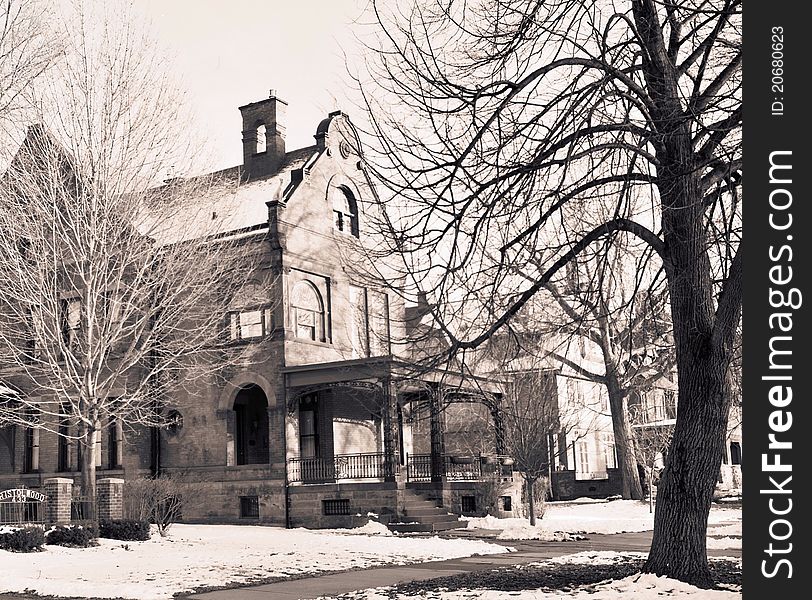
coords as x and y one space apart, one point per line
88 463
685 491
531 500
624 440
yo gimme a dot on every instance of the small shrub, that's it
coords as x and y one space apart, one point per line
158 500
74 536
24 539
128 530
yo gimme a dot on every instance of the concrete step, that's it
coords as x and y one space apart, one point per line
419 502
417 512
438 518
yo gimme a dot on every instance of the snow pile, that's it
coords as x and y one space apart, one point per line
371 528
196 556
518 529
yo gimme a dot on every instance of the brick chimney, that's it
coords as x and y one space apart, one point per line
263 136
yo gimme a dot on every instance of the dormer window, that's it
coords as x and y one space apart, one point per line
261 140
345 211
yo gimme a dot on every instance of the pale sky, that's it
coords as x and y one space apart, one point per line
232 52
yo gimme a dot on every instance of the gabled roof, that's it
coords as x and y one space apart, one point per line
230 204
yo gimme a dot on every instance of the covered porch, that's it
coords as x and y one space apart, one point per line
371 420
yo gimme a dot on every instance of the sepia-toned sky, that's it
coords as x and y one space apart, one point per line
232 52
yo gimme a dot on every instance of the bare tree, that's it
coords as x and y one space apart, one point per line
27 48
114 291
626 318
493 118
653 441
530 416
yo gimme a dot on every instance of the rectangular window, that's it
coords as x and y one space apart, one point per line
249 507
34 335
507 503
306 321
608 442
359 322
336 506
63 447
582 456
670 401
308 433
31 442
468 504
379 324
114 444
71 321
250 324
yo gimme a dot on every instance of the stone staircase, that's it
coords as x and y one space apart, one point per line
421 515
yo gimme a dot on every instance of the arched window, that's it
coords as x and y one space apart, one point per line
345 210
261 143
308 312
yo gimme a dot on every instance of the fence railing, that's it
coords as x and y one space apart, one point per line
370 465
458 468
20 513
82 508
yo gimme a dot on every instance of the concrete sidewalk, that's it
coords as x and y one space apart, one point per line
527 551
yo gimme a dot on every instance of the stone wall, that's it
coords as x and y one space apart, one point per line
306 504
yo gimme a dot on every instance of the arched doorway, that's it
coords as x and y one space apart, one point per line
251 426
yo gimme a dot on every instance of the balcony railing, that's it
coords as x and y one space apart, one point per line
371 465
458 468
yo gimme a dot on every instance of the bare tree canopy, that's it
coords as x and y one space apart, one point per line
27 49
497 121
114 290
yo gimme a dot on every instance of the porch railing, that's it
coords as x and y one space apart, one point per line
458 468
369 465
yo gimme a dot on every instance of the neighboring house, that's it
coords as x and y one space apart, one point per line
581 452
654 414
329 419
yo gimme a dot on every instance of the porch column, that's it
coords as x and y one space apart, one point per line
499 429
435 408
389 435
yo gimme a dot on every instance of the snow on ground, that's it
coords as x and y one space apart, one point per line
724 543
734 529
639 587
618 516
195 556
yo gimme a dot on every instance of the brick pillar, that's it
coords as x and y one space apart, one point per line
59 491
110 499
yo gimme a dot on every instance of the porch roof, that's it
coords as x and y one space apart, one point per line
386 367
